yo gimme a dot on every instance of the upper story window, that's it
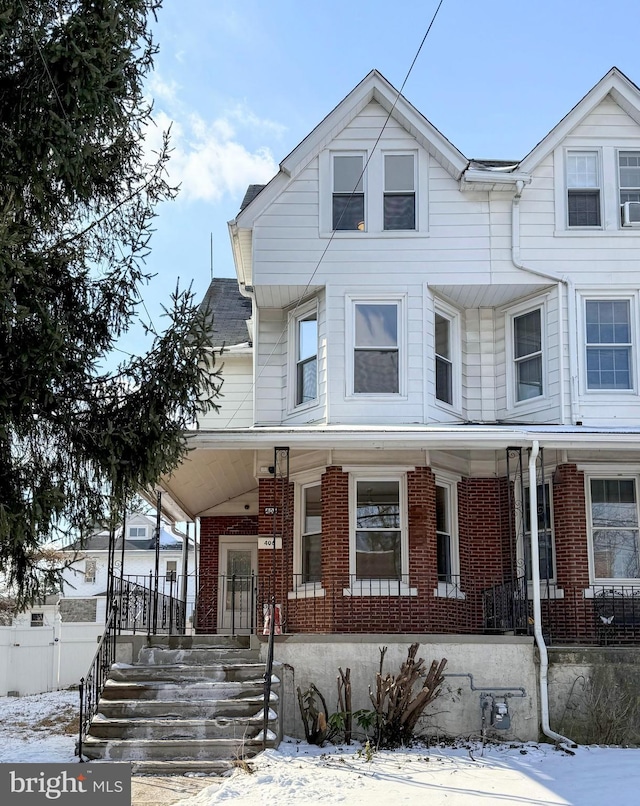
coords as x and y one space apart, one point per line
376 348
306 358
629 185
399 192
583 189
444 361
348 205
137 532
608 344
171 570
527 355
37 619
378 529
311 534
614 528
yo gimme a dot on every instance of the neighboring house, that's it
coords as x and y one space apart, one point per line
443 346
83 598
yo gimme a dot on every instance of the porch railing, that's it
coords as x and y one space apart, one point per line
145 605
505 607
92 684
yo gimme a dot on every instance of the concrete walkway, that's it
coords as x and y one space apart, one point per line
149 790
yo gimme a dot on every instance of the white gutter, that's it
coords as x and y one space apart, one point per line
537 609
571 309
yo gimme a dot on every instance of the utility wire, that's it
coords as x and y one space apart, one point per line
335 229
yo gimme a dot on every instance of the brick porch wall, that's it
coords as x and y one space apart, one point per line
210 528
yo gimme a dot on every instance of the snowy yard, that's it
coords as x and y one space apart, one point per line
41 729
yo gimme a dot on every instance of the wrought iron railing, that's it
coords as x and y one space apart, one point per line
505 607
150 604
92 684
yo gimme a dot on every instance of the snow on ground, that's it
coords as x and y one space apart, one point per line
32 729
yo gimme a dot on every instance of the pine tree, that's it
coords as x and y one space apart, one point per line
77 202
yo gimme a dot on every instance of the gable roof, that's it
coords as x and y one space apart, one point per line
374 87
228 310
623 91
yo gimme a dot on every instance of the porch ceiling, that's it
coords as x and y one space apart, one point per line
207 478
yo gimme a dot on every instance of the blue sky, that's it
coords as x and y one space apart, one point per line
243 83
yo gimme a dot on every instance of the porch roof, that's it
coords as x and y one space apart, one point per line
220 473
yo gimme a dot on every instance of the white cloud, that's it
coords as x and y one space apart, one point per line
209 159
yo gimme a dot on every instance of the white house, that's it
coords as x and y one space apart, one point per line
439 347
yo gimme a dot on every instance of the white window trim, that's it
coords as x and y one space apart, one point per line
391 298
379 587
302 590
373 184
137 526
606 395
453 316
618 151
593 473
416 186
609 190
510 316
292 365
449 590
575 150
90 563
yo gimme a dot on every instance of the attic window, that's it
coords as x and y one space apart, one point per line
348 192
137 532
583 189
399 192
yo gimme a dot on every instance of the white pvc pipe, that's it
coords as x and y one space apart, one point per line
537 609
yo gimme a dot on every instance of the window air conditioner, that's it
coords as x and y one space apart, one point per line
631 214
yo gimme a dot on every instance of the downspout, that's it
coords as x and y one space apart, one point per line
537 609
571 309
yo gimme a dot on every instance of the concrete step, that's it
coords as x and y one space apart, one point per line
176 690
220 767
161 656
187 729
242 706
215 672
174 749
198 641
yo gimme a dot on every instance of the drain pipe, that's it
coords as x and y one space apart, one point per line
537 609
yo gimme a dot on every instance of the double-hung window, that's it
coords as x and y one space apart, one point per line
348 192
583 189
378 529
545 533
444 362
306 337
608 344
629 185
614 528
311 534
89 570
399 192
376 348
527 355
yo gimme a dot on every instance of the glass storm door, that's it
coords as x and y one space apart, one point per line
238 563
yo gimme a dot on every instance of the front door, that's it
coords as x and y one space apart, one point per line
237 603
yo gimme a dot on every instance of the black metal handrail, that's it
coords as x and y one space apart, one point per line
92 684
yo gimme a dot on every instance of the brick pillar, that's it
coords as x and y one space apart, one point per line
574 615
335 551
423 550
481 524
275 566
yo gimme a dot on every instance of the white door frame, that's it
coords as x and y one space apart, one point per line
226 542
